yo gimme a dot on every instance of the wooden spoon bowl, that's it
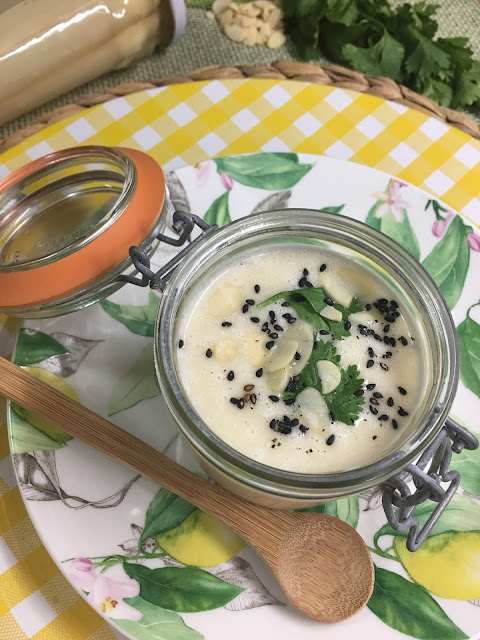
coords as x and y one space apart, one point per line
321 562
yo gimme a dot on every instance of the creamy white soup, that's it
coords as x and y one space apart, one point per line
303 357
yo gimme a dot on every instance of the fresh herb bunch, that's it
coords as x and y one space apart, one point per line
372 37
342 402
308 303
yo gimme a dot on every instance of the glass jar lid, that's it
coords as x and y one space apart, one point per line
69 218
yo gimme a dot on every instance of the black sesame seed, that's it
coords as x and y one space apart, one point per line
250 302
259 373
329 301
287 316
386 329
371 386
286 430
273 424
402 412
323 332
330 439
255 319
234 400
294 422
226 324
209 353
230 375
297 356
371 352
373 410
277 327
368 307
274 398
377 394
180 344
274 336
387 355
257 288
390 319
285 304
384 366
315 345
382 301
245 308
394 304
358 392
265 327
363 331
332 416
403 341
291 320
390 402
301 282
347 325
393 342
369 364
374 401
377 337
402 391
323 267
270 344
272 315
394 424
303 428
305 272
395 314
308 284
383 417
289 402
241 403
374 437
386 339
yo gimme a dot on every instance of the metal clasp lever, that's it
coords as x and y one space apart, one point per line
183 224
398 500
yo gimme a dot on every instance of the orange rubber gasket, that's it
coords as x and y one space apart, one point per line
98 257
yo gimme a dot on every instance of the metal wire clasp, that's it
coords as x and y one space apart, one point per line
399 501
183 224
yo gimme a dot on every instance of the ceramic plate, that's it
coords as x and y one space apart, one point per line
116 536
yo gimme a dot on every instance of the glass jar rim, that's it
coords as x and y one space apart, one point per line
368 242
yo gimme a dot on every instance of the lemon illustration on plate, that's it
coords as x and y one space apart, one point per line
448 565
36 421
201 540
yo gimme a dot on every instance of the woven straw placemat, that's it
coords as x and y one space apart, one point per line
332 75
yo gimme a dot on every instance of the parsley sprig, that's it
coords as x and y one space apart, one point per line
375 38
308 303
342 402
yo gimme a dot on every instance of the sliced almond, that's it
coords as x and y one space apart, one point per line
251 36
362 316
278 380
255 348
276 40
313 408
282 353
331 314
234 32
226 18
225 301
337 291
220 5
225 350
330 375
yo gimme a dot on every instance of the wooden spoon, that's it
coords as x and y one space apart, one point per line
321 563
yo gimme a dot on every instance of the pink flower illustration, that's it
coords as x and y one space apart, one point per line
392 200
203 171
227 181
441 225
105 593
473 241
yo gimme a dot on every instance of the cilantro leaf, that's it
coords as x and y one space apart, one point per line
343 11
437 90
426 58
467 89
309 302
383 58
345 406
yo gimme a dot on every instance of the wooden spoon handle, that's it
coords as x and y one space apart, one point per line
22 387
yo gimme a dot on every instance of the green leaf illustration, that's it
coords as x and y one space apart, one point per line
401 232
449 260
34 346
182 589
156 623
410 609
166 511
334 209
346 509
139 383
469 344
139 320
218 212
26 438
462 514
272 171
468 464
371 218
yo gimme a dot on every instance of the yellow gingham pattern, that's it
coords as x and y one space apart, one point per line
184 124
